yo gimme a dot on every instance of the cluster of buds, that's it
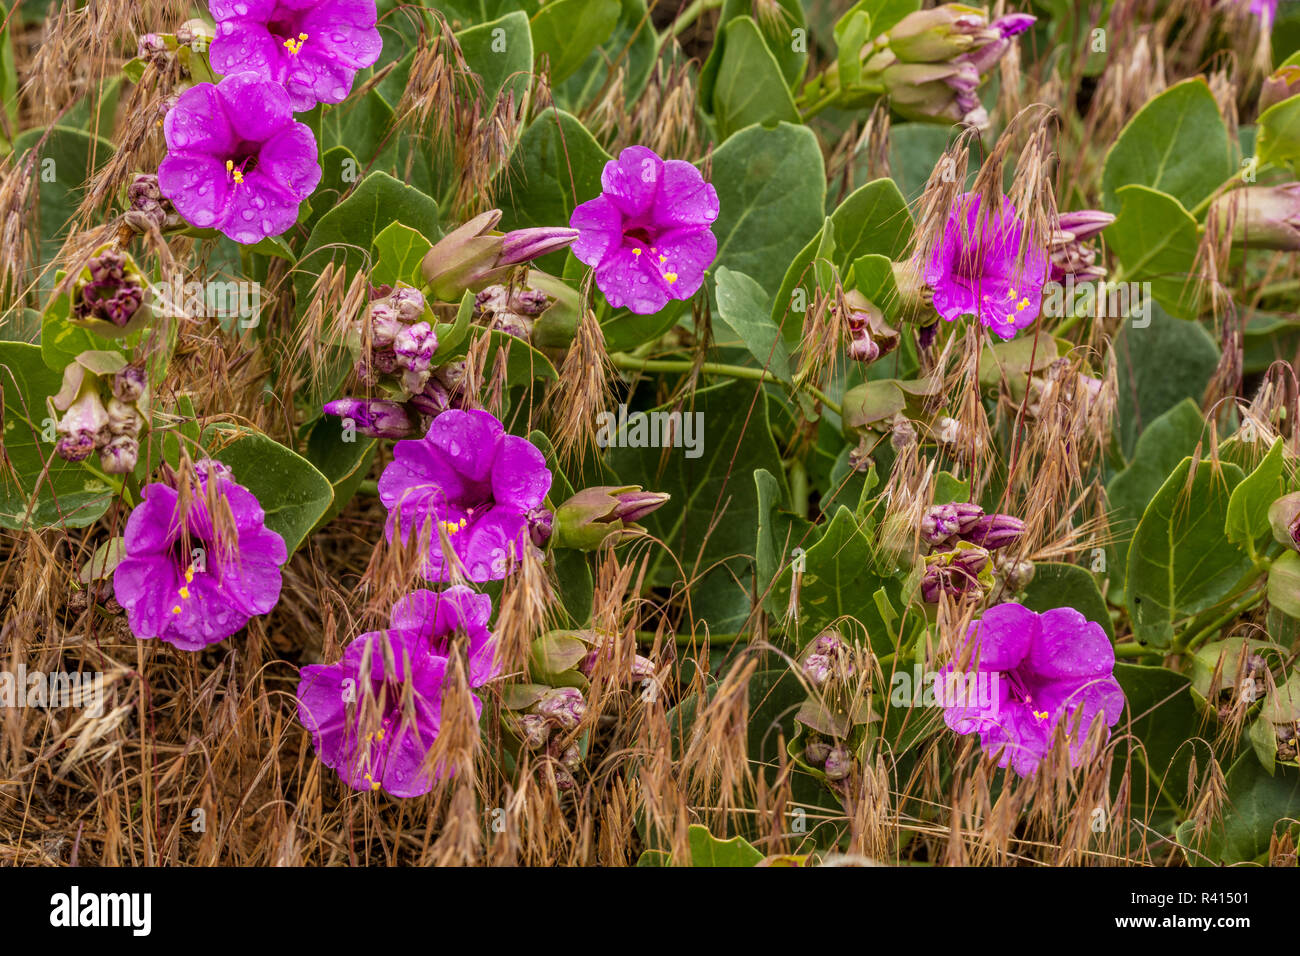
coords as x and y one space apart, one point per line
602 514
829 660
543 311
110 295
962 537
147 208
394 345
1288 742
1071 250
932 63
548 724
869 337
1262 217
832 755
641 668
101 402
475 256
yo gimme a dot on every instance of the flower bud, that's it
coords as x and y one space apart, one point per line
941 522
123 419
375 418
1284 517
995 531
596 514
473 256
129 384
1264 217
414 346
571 759
433 400
563 706
838 763
108 297
407 303
120 455
540 525
1070 249
534 730
941 33
816 750
525 245
83 427
1282 85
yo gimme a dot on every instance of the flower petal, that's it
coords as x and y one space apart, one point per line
600 230
197 124
520 477
631 182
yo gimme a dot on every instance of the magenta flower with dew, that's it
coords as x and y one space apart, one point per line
375 714
466 489
193 576
1032 673
648 235
236 160
313 48
979 269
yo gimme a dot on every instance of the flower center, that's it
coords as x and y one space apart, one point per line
1020 693
285 29
643 243
243 161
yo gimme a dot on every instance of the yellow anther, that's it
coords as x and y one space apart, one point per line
294 46
185 592
636 252
671 277
1011 293
1040 714
236 174
1022 305
375 785
663 259
176 609
189 574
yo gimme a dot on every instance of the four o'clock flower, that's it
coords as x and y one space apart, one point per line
1048 669
236 159
195 572
375 714
1071 251
603 513
313 47
978 268
375 418
474 255
470 486
648 234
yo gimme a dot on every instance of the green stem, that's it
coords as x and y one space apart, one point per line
1133 650
1199 637
369 487
1281 288
692 13
799 487
624 361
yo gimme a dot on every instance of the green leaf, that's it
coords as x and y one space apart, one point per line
750 87
69 495
708 850
714 508
1166 442
500 51
1258 806
1248 507
914 152
65 160
1161 714
771 189
1284 584
777 25
1159 366
1178 144
398 250
291 491
344 462
632 46
1156 240
1067 585
1181 562
567 31
743 307
556 166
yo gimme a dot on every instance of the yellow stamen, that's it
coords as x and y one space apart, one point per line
636 252
671 277
189 574
294 46
236 174
185 592
176 609
663 259
1040 714
1022 305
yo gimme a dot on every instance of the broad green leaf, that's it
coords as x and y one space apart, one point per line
567 31
1155 238
1159 366
1178 144
782 26
1166 442
500 51
291 491
914 152
1160 712
1181 562
771 188
743 307
750 87
714 506
708 850
1067 585
344 458
556 166
398 252
632 46
68 495
1284 584
1248 507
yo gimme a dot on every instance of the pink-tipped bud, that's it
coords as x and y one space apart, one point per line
594 515
375 418
83 428
563 706
941 522
1264 217
995 531
1284 517
838 763
525 245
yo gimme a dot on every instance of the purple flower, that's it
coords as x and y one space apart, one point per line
977 269
236 160
375 417
470 483
374 715
1032 671
186 579
312 47
648 233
